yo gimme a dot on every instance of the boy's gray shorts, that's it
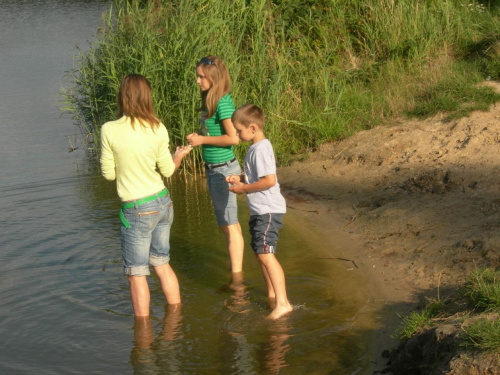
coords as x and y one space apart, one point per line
264 231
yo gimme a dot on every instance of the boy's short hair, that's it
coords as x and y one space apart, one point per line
248 114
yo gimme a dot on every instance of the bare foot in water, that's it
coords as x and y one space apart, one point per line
279 311
272 302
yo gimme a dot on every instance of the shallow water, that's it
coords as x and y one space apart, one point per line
64 303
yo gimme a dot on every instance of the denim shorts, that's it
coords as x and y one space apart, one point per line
264 231
223 200
147 241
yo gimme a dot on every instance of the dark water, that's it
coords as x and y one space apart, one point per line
64 303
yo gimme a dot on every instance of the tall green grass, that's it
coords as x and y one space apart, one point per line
481 317
484 334
419 320
320 69
482 289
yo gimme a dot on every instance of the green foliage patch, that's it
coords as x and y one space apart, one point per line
481 320
482 289
321 70
418 320
484 334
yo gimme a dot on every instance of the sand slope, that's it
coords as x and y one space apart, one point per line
423 198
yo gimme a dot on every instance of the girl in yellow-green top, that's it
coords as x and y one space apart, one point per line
217 137
133 149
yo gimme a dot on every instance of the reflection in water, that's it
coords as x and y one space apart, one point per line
242 324
143 338
157 355
275 347
245 323
238 301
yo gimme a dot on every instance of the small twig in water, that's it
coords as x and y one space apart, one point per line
352 218
347 260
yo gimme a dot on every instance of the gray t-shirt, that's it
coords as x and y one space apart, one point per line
260 162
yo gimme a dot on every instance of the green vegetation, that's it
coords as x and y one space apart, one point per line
321 69
418 320
483 289
484 333
480 322
448 96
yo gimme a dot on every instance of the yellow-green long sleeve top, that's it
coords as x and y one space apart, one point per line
133 156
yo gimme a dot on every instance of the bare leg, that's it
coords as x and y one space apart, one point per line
236 279
235 245
269 284
139 292
169 283
277 277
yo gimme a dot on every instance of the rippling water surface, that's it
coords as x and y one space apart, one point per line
64 303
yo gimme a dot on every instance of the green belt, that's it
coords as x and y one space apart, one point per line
139 202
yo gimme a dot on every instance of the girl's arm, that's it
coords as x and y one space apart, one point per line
179 154
228 139
264 183
108 167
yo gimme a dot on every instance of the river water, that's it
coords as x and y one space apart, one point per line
64 303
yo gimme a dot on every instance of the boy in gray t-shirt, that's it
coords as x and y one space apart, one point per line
267 205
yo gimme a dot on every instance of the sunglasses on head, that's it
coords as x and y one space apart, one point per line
207 61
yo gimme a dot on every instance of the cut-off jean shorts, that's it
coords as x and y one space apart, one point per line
223 200
147 241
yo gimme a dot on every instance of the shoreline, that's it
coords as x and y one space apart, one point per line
388 293
415 203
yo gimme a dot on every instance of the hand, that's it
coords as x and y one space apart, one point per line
194 139
232 179
238 188
182 151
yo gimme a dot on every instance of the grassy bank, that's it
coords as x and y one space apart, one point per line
479 297
321 70
459 332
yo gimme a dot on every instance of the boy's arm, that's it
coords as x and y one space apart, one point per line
264 183
235 178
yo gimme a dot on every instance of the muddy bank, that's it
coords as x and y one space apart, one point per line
421 197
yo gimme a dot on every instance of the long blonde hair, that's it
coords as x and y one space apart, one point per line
134 100
217 74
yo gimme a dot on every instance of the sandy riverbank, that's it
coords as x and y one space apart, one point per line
419 199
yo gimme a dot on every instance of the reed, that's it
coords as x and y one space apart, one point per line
320 69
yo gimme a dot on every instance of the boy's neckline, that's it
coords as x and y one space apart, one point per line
259 140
